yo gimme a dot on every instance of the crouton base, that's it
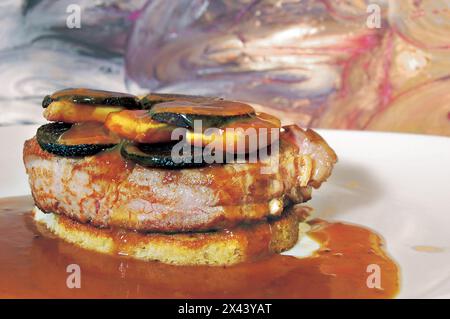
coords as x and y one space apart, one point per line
218 248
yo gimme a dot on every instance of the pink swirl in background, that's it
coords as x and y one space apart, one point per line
312 62
316 63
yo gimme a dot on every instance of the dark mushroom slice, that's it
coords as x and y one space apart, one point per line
160 155
211 114
93 97
49 138
84 105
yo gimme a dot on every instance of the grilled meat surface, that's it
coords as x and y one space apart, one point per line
107 191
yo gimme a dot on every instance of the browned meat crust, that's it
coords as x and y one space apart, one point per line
106 191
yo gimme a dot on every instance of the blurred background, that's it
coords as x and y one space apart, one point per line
355 64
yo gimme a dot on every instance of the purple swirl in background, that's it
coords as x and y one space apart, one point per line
39 54
317 63
312 62
286 56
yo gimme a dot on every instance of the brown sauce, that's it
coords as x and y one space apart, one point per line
88 93
34 266
88 133
210 108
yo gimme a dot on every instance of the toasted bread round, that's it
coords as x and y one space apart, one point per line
219 248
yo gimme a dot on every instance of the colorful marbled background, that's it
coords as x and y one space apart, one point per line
316 63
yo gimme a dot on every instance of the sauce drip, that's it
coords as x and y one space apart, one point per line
87 92
209 108
88 133
33 265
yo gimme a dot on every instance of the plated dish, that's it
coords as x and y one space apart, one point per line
111 166
246 240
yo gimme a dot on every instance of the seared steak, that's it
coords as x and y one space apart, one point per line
107 191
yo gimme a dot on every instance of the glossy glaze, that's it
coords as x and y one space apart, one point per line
33 264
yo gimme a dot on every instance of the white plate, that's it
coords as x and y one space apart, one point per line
395 184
